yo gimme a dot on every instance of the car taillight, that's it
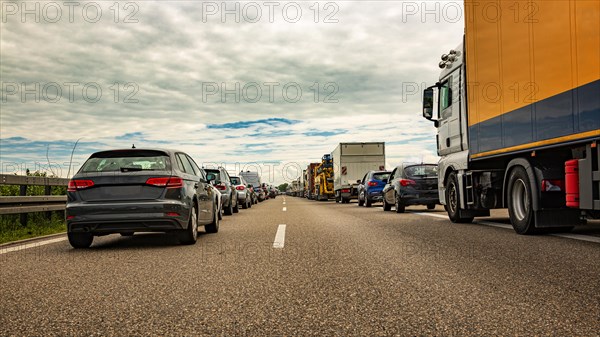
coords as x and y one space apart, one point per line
553 185
406 182
345 191
79 184
372 183
221 187
168 182
240 188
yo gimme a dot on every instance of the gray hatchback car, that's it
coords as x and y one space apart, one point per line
139 190
222 181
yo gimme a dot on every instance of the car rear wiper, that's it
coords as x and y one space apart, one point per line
131 169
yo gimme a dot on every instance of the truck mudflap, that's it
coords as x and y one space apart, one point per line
589 178
562 217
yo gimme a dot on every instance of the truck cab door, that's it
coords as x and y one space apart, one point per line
449 130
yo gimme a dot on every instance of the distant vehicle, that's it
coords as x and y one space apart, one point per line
411 185
272 191
244 196
309 180
221 180
323 177
350 162
139 190
253 178
370 189
251 193
265 189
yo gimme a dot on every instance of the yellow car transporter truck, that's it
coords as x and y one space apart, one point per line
518 114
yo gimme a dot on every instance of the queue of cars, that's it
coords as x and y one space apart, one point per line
126 191
405 185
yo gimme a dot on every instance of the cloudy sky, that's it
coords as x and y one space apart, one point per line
272 85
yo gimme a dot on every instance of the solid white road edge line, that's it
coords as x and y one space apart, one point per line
30 245
579 237
279 237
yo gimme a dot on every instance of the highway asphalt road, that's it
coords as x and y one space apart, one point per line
337 269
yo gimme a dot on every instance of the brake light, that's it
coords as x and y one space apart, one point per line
406 182
221 187
79 184
345 191
372 183
168 182
240 188
172 214
553 185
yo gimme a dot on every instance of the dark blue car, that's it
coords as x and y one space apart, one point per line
370 189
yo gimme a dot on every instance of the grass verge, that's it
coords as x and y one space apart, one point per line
37 225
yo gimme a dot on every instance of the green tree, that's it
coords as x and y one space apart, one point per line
282 187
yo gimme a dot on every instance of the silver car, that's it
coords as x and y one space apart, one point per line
244 197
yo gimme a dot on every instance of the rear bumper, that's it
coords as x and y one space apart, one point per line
241 197
147 216
352 194
421 198
378 196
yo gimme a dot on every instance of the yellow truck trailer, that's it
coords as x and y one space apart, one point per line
517 110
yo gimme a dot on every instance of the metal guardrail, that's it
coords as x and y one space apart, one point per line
24 204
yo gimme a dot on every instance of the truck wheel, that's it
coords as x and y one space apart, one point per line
189 235
400 207
80 240
520 206
386 206
452 201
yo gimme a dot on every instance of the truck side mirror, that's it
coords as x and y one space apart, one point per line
428 103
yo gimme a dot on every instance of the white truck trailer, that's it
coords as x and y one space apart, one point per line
350 163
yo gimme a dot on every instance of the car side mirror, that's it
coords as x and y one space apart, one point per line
359 181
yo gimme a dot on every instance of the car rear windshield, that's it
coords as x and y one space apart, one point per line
235 181
125 161
421 171
381 176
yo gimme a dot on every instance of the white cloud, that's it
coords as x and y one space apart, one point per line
370 55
